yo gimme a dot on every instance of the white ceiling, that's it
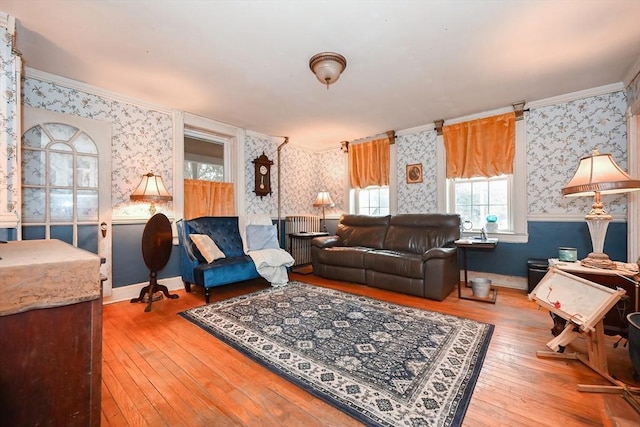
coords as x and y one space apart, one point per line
246 63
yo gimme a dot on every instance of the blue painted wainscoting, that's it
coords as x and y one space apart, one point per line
128 265
510 259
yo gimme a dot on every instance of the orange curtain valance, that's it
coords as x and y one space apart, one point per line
484 147
369 163
207 198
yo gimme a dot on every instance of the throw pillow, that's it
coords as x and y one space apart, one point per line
262 237
207 247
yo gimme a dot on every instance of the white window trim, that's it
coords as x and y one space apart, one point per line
519 190
233 139
393 181
476 227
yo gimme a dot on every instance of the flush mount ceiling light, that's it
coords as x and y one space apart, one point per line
327 66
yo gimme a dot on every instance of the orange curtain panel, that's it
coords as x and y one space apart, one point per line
484 147
206 198
369 163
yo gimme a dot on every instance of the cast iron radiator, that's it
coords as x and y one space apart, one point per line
300 249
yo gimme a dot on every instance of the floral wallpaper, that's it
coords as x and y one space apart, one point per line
9 187
304 174
254 146
333 167
558 136
142 139
412 149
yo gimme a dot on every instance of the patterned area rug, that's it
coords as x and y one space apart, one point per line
382 363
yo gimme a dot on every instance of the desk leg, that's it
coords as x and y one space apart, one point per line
493 292
463 252
466 280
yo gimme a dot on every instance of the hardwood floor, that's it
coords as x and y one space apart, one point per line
161 370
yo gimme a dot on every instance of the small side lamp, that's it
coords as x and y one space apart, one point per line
599 174
323 200
151 189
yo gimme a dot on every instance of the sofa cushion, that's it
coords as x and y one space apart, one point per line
343 256
207 247
362 230
404 264
418 233
225 270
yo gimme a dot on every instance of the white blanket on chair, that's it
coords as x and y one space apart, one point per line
271 263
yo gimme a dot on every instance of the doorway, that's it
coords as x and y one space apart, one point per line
66 183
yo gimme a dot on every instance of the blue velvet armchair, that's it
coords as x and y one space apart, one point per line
235 267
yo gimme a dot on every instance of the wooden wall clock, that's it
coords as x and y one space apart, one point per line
262 166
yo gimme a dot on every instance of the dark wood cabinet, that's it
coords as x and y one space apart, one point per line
50 335
50 366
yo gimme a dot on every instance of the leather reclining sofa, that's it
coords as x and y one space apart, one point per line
407 253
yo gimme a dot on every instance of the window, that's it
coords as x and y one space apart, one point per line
476 198
203 171
516 230
203 157
369 201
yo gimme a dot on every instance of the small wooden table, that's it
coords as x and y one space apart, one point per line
475 243
304 252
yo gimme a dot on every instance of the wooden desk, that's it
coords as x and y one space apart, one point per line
50 334
463 245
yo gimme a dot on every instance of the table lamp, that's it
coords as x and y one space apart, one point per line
599 174
323 200
151 189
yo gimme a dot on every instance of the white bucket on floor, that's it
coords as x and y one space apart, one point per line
480 287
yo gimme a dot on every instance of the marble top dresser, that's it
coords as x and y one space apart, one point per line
50 334
46 273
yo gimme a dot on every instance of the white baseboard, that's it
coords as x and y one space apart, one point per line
514 282
126 293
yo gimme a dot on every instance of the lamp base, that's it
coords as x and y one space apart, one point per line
598 260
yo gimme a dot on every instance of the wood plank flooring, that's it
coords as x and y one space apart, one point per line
161 370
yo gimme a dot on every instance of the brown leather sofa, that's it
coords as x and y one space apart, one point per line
408 253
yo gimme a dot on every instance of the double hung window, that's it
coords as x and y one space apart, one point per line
372 200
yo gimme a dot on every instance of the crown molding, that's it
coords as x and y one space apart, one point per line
573 96
480 115
634 72
94 90
430 127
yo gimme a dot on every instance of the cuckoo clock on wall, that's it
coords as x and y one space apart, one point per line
262 166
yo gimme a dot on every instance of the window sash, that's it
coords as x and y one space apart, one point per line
372 200
483 205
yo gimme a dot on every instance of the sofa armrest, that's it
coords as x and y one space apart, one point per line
188 260
439 253
325 241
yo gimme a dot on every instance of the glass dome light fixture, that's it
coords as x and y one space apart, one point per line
327 66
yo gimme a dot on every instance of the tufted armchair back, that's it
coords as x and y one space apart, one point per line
222 229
